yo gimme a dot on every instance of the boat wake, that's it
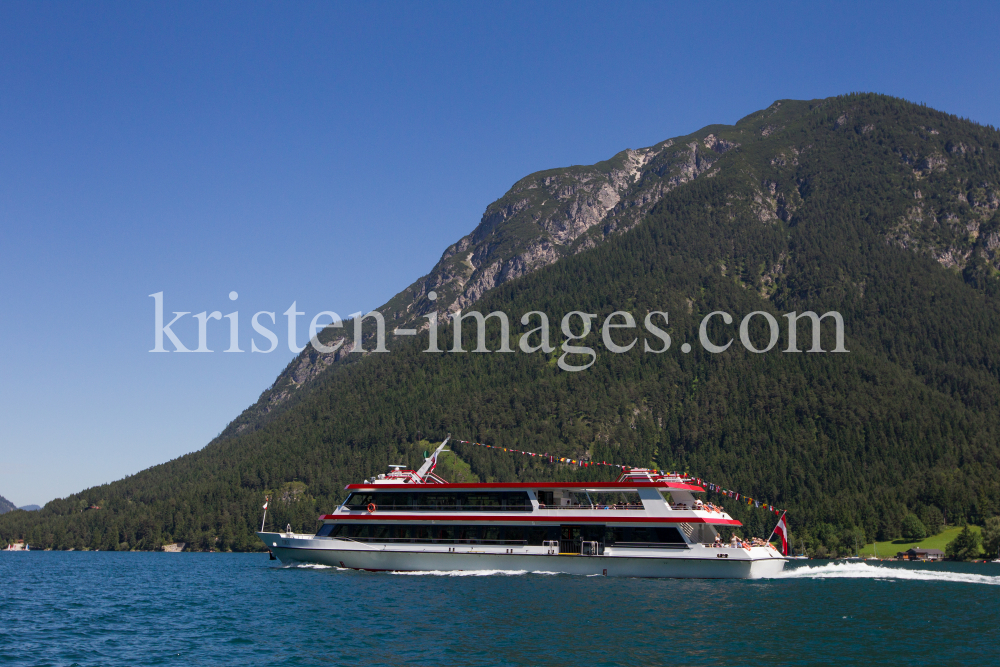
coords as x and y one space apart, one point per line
308 566
866 571
469 573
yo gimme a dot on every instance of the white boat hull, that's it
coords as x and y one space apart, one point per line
696 562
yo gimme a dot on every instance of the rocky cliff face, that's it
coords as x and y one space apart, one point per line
6 505
953 217
542 218
559 212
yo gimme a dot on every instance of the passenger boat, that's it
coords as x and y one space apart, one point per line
645 524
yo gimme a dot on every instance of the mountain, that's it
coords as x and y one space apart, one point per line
879 209
6 505
546 216
30 508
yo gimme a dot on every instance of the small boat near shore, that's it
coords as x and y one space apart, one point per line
644 524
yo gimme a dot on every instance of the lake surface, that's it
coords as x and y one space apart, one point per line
87 608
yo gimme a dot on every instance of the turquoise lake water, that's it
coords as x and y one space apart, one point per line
86 608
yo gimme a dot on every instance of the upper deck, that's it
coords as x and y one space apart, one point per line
636 497
593 487
639 495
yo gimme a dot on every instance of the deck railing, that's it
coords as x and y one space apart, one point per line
587 506
442 508
430 540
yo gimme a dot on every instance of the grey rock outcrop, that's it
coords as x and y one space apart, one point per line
555 213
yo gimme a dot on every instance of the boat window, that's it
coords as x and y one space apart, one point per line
492 535
358 500
617 500
466 533
643 536
538 534
483 499
443 533
517 501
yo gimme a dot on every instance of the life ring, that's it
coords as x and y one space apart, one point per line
372 508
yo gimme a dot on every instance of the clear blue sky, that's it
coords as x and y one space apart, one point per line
327 154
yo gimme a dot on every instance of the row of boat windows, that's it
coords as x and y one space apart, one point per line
472 501
530 535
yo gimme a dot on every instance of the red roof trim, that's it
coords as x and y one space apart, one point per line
420 518
528 485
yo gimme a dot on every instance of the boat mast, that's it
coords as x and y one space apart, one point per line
431 460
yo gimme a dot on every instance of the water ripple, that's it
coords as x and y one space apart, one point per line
219 609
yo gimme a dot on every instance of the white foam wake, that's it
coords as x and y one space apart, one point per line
866 571
469 573
308 566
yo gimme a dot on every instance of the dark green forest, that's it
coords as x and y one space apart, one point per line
874 207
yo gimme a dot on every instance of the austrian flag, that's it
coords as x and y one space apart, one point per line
782 531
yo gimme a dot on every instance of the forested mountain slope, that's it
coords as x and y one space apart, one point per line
882 210
544 217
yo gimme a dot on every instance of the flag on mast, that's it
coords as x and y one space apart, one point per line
265 504
782 530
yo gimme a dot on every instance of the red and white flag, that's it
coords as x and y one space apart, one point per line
265 504
782 531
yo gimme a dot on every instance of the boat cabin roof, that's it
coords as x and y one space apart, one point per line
629 485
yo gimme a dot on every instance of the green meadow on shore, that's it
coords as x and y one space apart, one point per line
890 549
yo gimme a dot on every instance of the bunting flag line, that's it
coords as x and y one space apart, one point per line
708 486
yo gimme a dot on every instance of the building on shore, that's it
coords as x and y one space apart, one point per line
921 554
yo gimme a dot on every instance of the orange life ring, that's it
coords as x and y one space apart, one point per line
372 508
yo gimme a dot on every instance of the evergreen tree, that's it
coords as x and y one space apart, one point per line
965 546
991 536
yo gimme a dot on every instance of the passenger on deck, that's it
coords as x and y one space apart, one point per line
734 541
698 505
